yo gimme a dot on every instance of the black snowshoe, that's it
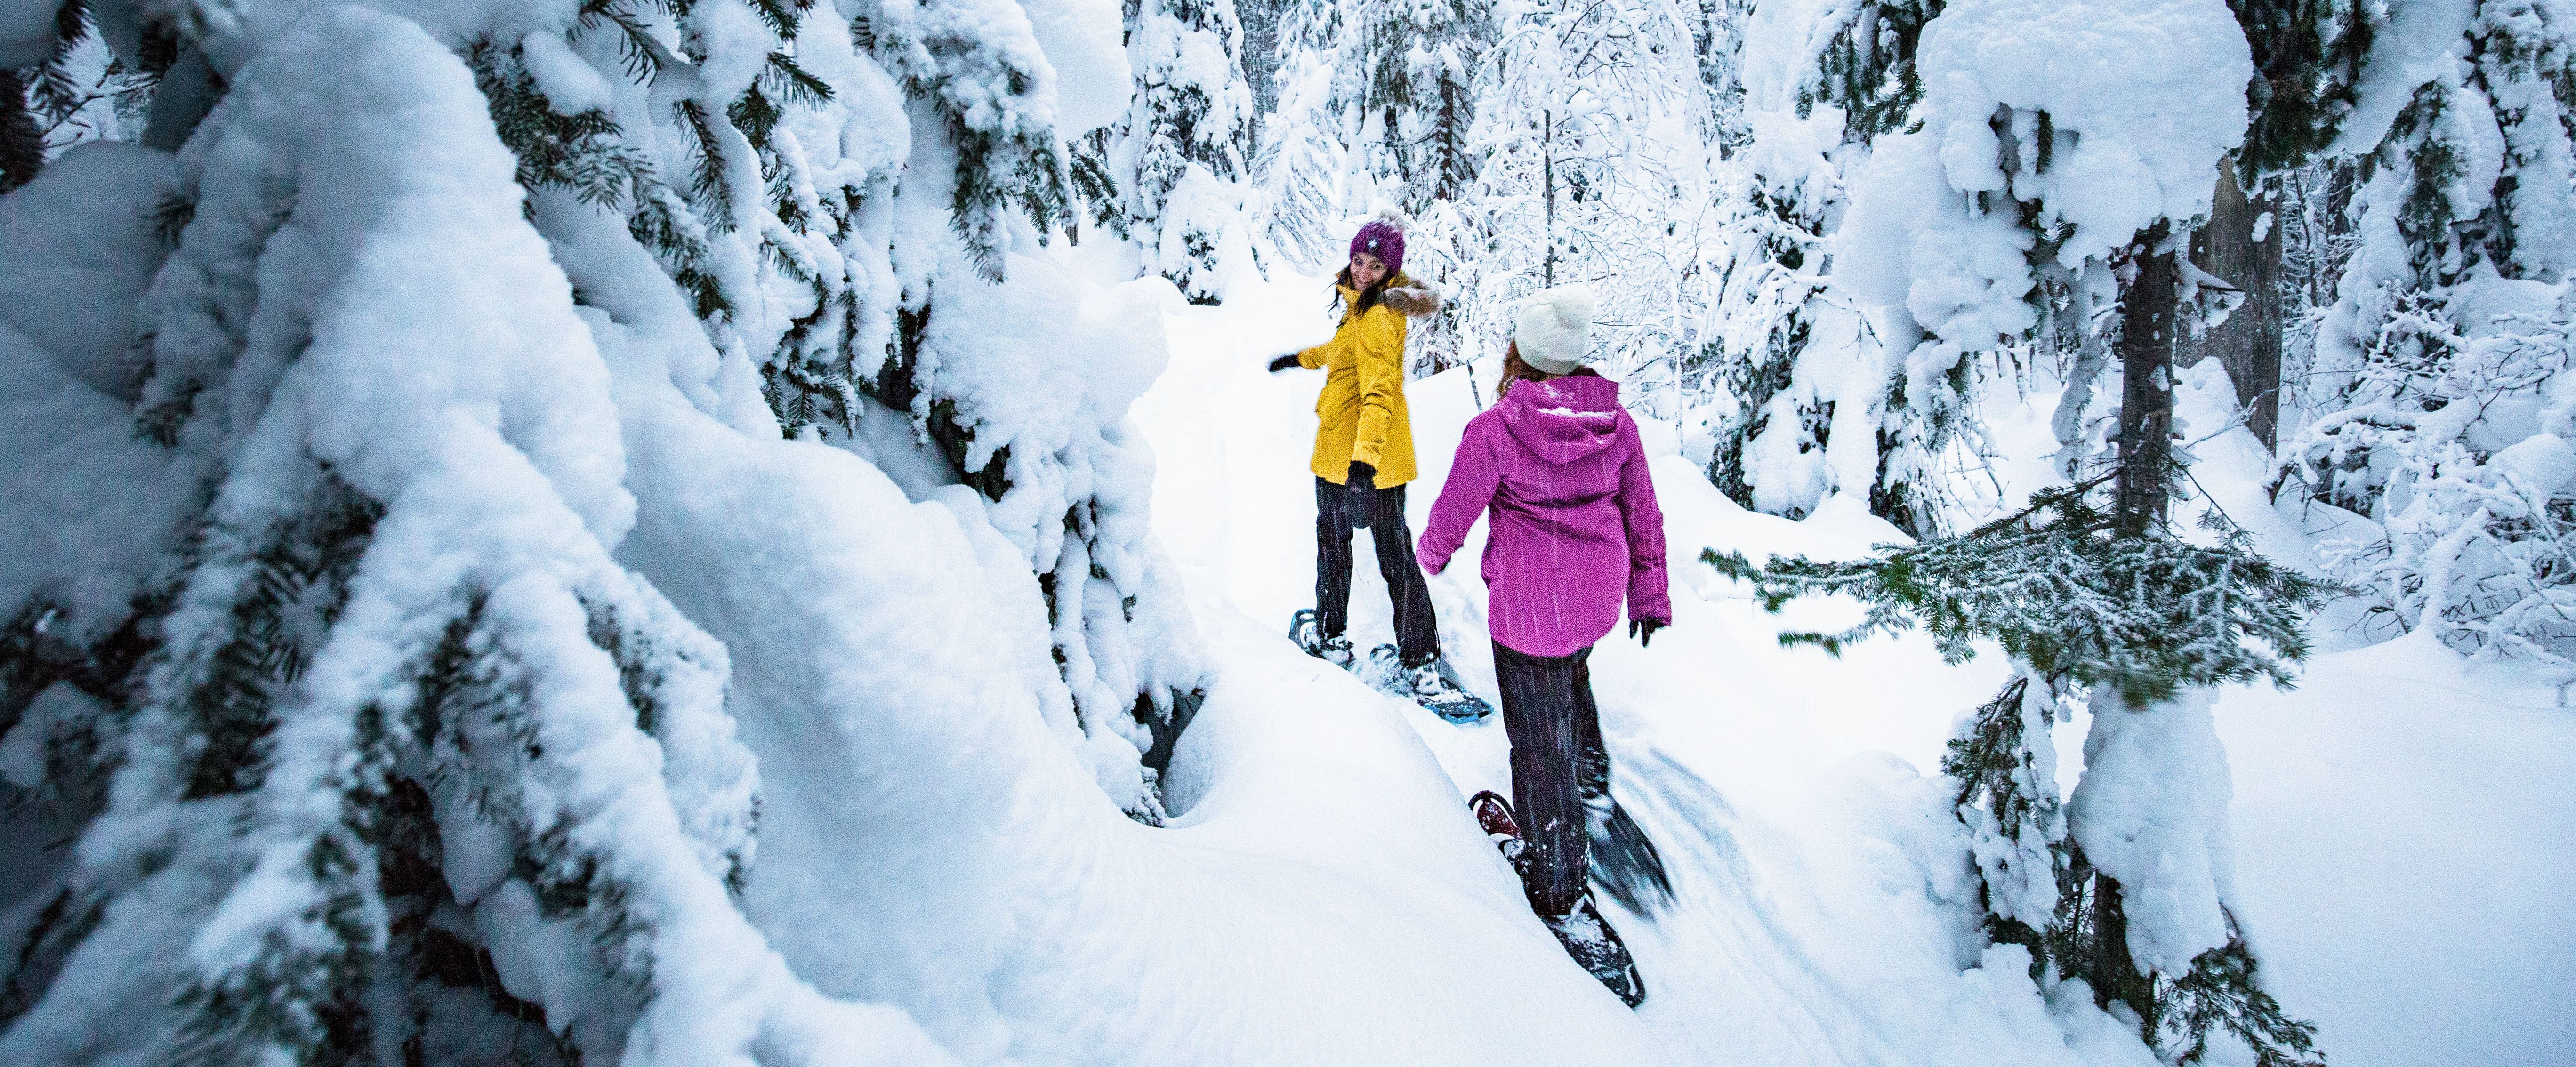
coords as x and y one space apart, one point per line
1624 860
1309 635
1587 937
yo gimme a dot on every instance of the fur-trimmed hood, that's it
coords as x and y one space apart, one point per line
1409 297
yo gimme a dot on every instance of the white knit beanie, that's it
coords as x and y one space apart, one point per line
1552 328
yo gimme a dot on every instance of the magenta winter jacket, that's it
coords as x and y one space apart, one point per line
1575 525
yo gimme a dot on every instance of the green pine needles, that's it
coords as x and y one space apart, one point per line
2077 606
1868 67
2220 994
2052 584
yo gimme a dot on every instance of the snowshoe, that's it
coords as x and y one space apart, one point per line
1494 814
1336 649
1589 939
1624 859
1432 685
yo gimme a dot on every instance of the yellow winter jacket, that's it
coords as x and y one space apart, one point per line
1361 412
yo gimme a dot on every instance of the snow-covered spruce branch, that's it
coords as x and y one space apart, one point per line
401 759
2147 616
2149 624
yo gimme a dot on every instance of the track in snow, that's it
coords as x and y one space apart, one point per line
1806 930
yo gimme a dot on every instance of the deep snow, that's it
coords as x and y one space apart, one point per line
2398 823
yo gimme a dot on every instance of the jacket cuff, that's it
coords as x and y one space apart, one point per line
1650 597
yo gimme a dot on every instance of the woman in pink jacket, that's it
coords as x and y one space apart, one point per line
1558 466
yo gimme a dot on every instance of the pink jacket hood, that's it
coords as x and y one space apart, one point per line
1562 420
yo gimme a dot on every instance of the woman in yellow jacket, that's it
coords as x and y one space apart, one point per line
1363 458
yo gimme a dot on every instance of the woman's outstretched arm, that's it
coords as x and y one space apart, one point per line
1473 477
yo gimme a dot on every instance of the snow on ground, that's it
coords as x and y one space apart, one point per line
2394 818
926 844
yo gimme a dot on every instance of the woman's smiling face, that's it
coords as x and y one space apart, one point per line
1366 270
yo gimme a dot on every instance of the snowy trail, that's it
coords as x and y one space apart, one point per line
1802 935
960 864
1321 895
1824 911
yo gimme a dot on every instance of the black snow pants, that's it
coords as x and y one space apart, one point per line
1417 631
1558 764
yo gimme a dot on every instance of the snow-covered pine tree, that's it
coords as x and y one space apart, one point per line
1181 153
2443 412
1592 168
377 742
1416 63
1301 175
1717 36
797 255
2139 629
359 663
2032 161
1814 403
1261 55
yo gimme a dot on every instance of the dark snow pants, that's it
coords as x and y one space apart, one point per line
1557 764
1417 631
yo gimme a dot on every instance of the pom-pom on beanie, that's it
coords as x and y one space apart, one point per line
1553 329
1382 237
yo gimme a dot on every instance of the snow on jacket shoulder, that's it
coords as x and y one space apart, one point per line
1361 413
1575 528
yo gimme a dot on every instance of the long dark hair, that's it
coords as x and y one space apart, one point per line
1369 297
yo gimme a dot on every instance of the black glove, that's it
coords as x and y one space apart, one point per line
1286 362
1361 484
1644 630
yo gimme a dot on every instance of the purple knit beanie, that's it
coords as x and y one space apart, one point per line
1383 239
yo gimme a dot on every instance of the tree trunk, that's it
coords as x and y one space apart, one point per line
22 146
2116 975
2144 489
1547 179
2146 385
2248 344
